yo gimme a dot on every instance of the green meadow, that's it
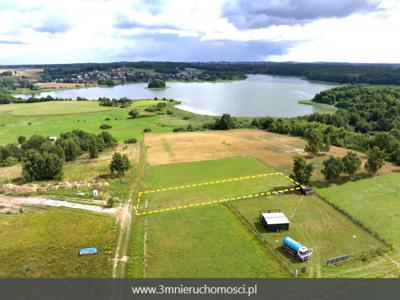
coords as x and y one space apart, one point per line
374 201
199 242
53 118
313 223
44 242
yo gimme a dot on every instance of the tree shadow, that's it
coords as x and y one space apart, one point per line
107 176
341 180
280 249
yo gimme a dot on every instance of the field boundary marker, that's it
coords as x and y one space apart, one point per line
216 201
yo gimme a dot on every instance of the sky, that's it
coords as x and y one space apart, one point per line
49 31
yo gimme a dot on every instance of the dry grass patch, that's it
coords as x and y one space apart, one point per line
59 85
274 149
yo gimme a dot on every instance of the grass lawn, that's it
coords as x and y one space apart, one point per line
199 172
53 118
199 242
374 201
313 223
45 243
215 244
203 171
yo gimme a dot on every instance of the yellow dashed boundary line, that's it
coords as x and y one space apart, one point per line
212 182
140 194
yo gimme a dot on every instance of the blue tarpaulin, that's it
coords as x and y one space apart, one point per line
86 251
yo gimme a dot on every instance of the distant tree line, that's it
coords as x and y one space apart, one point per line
6 97
122 102
330 72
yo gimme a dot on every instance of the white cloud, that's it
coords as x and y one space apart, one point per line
48 31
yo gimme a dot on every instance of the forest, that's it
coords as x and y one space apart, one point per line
349 73
361 108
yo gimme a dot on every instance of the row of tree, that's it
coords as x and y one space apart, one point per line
321 136
334 167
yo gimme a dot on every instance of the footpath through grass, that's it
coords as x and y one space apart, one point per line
45 242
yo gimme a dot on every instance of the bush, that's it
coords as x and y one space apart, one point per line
131 141
179 129
106 140
110 202
39 167
134 113
105 126
147 130
21 139
9 162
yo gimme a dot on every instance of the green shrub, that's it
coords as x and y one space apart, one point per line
105 126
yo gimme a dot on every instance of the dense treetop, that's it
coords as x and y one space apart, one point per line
361 108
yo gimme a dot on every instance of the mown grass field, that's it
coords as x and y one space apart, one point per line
45 243
203 171
374 201
314 223
174 175
215 244
199 242
53 118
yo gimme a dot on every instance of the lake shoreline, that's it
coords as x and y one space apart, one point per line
257 95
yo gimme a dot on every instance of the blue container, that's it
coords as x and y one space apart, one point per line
87 251
292 244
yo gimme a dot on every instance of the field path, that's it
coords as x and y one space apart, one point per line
127 215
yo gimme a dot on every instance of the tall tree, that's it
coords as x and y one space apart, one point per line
315 142
71 149
93 149
376 159
120 164
333 167
302 171
225 122
351 163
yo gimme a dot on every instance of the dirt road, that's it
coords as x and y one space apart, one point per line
15 202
